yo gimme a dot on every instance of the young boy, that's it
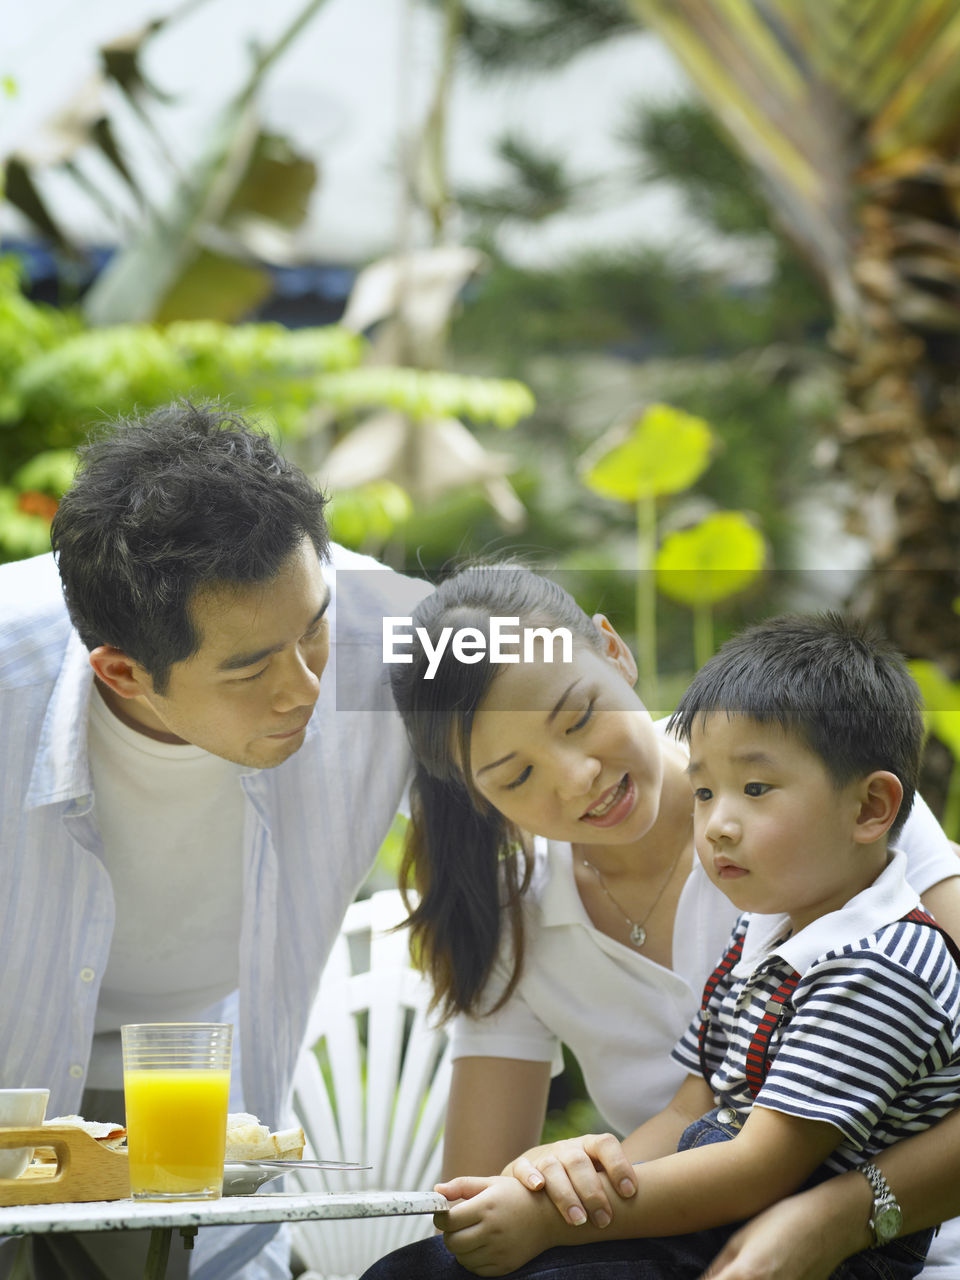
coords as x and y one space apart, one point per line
831 1027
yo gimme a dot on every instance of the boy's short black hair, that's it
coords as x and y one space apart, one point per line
190 496
833 681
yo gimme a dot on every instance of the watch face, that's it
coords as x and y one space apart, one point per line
887 1223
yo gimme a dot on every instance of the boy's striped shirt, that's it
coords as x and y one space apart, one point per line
872 1045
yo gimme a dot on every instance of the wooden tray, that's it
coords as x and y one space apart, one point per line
84 1170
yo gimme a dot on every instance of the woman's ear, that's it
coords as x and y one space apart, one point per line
615 648
880 796
119 672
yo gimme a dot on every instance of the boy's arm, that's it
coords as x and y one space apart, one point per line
500 1224
569 1170
807 1236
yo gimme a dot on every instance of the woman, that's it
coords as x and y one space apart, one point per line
601 933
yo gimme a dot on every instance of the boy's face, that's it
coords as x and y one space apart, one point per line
250 689
771 828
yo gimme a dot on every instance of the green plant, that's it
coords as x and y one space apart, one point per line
941 698
698 567
659 453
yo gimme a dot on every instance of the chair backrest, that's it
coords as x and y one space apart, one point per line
370 1085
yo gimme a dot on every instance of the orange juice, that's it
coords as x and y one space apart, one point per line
176 1131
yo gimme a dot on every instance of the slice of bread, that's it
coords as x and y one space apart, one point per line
107 1134
248 1139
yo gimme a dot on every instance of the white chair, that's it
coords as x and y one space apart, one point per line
370 1085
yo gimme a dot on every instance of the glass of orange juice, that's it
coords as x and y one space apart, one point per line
176 1084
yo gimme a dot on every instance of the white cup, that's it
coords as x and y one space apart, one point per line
20 1108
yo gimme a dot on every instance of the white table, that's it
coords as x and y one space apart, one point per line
189 1215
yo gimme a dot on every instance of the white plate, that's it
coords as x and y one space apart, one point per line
245 1179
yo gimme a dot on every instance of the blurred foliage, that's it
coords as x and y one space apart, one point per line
60 378
712 560
536 185
369 516
941 699
603 334
663 451
546 35
421 393
715 559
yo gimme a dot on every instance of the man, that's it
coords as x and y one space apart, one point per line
200 760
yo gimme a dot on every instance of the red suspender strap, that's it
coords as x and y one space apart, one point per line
758 1063
758 1055
730 958
918 916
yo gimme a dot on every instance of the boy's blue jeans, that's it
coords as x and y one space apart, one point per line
654 1258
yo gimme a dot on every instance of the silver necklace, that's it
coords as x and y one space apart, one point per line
638 934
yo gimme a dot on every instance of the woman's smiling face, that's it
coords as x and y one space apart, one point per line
567 750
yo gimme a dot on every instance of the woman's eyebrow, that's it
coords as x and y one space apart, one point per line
562 699
493 764
558 707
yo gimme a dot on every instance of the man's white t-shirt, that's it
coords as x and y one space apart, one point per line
171 818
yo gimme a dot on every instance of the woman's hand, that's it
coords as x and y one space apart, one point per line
567 1171
791 1240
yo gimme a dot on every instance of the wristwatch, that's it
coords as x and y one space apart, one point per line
886 1219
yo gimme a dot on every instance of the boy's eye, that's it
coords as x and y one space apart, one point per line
702 793
756 788
584 718
520 780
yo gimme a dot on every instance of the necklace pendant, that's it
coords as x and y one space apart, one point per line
638 935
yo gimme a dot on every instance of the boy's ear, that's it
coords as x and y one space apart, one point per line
119 672
615 648
880 794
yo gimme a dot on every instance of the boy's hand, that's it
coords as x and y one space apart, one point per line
497 1226
568 1171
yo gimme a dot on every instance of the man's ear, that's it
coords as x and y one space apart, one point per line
119 672
880 794
615 648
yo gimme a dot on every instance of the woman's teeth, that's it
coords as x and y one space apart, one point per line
615 796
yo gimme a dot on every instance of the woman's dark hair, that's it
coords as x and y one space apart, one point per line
191 496
469 866
837 684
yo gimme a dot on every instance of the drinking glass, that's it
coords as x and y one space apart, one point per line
176 1083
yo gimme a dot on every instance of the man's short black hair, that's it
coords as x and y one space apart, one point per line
188 497
837 684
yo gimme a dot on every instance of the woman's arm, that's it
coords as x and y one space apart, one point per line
807 1236
495 1110
943 902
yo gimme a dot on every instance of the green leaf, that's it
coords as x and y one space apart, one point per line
664 451
369 514
21 534
941 699
427 394
49 472
717 558
195 260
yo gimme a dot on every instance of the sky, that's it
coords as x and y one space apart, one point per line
357 81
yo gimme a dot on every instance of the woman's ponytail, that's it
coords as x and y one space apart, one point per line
469 877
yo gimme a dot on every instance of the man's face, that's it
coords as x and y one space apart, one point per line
249 690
